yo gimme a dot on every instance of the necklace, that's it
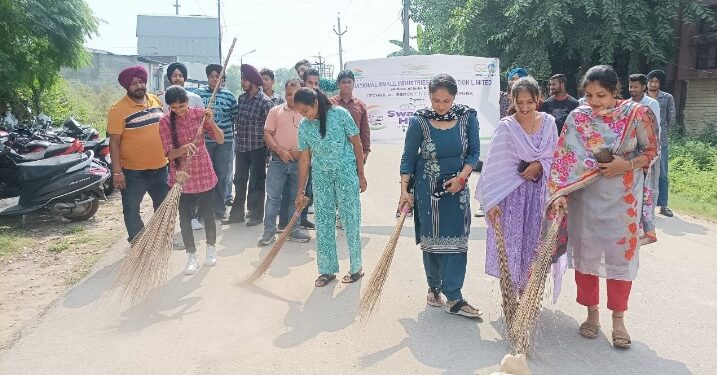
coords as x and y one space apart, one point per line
532 128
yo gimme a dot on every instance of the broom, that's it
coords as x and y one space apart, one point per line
372 293
269 258
146 265
506 283
529 306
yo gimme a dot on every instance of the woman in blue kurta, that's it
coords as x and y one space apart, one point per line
329 141
440 152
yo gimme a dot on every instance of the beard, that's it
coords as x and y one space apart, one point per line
137 94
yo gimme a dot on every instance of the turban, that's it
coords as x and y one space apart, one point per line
517 71
251 74
126 76
659 74
174 66
211 68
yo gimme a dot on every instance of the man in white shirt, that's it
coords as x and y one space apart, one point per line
177 75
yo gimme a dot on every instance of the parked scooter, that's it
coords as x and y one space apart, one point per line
67 185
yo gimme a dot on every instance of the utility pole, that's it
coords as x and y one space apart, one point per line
176 7
340 33
219 26
406 33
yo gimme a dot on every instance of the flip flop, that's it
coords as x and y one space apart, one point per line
352 277
457 309
323 280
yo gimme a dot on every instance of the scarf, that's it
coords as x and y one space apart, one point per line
457 111
509 146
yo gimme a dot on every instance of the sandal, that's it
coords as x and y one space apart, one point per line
464 309
324 279
352 277
437 300
589 330
648 238
620 337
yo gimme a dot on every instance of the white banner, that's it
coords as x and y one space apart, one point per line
394 88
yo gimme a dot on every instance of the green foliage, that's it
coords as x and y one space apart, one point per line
551 36
281 75
693 170
37 38
88 105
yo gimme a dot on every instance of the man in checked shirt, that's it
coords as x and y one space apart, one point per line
250 163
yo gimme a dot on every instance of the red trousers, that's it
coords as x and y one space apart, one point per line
618 291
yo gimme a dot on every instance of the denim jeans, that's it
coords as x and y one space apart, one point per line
664 182
249 180
221 157
229 184
287 210
139 182
281 183
446 272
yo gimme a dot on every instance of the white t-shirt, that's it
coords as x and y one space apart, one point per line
194 101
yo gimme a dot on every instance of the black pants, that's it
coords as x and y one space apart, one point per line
203 203
250 170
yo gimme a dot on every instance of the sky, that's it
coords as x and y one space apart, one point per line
281 31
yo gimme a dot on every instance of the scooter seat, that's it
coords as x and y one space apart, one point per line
37 170
56 149
90 145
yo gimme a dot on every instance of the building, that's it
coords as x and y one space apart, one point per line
694 75
189 39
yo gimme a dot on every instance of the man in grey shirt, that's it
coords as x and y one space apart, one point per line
656 80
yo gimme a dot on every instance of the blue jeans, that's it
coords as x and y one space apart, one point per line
139 182
221 157
664 182
286 209
446 272
229 183
281 183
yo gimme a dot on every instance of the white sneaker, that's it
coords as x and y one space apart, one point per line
311 209
192 264
211 256
196 225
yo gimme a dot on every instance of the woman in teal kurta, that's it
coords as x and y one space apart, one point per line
440 152
329 142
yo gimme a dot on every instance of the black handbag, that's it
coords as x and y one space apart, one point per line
440 190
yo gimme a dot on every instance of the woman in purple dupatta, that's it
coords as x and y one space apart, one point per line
527 136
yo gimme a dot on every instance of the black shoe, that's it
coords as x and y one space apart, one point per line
664 211
232 220
254 222
306 224
229 202
281 228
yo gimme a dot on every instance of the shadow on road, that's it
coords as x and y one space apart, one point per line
322 312
443 341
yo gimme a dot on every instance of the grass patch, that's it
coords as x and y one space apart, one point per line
58 247
702 210
10 244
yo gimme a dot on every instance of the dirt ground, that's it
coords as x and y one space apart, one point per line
43 256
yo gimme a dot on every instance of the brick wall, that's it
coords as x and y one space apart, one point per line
700 104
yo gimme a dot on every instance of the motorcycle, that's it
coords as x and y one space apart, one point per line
72 128
67 185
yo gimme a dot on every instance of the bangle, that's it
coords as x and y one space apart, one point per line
632 165
462 180
118 174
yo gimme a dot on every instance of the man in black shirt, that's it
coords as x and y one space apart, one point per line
559 104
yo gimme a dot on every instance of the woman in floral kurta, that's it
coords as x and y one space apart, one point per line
440 152
329 141
604 200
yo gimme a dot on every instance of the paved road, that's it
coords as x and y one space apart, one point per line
208 324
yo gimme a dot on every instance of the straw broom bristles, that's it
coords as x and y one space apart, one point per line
372 293
532 299
506 283
145 267
269 258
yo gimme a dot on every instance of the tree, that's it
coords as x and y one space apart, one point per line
37 38
551 36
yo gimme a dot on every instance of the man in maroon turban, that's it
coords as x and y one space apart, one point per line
139 165
250 167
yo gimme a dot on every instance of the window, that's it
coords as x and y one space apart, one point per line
707 27
707 56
